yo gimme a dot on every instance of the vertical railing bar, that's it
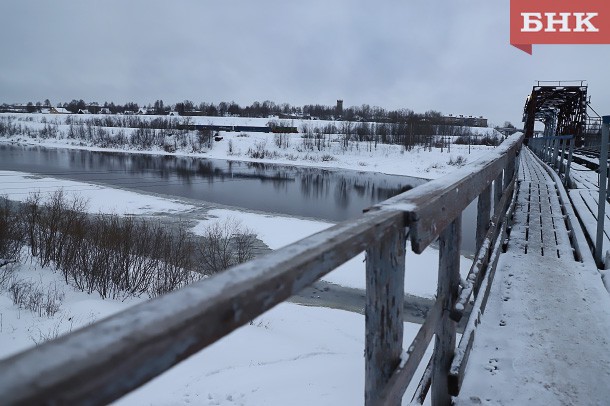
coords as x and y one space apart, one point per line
509 170
498 191
563 153
483 216
555 153
447 292
601 204
385 275
567 174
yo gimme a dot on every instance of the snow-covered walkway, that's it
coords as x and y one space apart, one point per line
545 336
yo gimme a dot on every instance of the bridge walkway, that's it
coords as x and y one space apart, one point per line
545 335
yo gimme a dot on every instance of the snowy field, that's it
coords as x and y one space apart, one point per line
361 156
290 355
275 231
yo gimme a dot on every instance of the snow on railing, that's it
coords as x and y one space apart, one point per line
104 361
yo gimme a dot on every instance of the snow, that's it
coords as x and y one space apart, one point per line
543 338
19 186
531 337
292 354
388 159
276 231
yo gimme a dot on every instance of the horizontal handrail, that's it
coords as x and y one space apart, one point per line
102 362
432 206
106 360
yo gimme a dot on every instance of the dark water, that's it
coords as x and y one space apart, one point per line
333 195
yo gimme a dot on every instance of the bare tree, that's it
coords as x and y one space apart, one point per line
225 244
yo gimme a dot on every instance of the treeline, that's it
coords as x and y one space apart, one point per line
111 255
264 109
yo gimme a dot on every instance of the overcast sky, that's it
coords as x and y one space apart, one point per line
452 56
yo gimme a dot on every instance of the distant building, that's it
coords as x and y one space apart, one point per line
105 110
83 111
94 108
339 109
467 121
58 110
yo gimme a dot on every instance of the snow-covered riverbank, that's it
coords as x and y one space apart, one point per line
292 354
294 150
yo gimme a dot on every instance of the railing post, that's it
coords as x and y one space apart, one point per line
483 216
385 279
447 292
555 153
601 205
509 171
567 174
498 191
563 153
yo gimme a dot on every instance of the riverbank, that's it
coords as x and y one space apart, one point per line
247 366
287 149
274 231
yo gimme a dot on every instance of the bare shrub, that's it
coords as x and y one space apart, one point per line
225 244
459 161
117 256
31 296
281 140
11 234
39 336
260 151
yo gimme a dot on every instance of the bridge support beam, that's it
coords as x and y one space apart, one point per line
447 292
385 281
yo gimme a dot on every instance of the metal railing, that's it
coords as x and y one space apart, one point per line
104 361
547 149
557 151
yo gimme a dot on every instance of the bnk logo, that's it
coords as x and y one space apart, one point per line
559 22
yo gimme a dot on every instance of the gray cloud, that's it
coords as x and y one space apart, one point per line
448 56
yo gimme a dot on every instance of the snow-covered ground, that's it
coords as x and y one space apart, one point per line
362 156
291 354
275 231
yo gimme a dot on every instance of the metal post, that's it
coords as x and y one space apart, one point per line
555 152
563 153
385 280
601 206
567 175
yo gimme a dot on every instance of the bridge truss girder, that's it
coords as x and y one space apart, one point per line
565 104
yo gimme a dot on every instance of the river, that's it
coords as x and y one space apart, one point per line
327 194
